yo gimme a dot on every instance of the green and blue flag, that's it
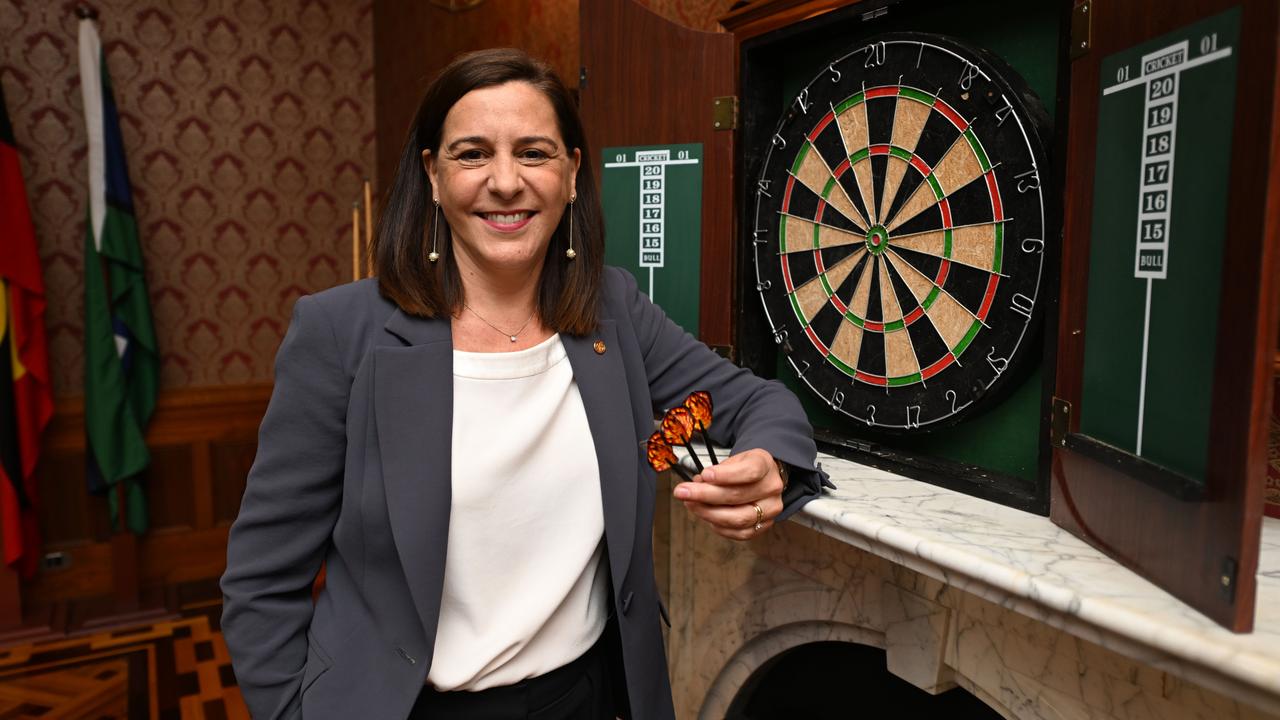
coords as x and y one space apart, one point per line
122 363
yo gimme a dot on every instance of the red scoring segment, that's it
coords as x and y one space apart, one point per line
786 276
988 296
813 337
938 366
872 379
997 210
822 125
945 206
955 118
943 269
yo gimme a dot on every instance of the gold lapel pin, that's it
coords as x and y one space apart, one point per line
599 347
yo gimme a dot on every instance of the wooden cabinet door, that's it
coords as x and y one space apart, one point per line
1169 292
648 81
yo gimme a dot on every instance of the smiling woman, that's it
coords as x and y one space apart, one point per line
490 138
459 441
504 179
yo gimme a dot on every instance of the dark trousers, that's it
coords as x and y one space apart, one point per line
580 690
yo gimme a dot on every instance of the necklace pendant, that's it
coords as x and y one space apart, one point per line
513 338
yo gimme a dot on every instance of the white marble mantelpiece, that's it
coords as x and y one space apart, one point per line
1026 563
958 592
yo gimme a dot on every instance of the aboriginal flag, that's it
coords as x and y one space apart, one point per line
26 401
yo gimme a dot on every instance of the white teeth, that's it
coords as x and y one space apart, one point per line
502 219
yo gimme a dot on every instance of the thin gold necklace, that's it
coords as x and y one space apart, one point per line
510 336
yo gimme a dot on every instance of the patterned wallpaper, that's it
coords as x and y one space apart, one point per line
248 126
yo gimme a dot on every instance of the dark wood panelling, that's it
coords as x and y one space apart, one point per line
413 40
230 462
68 515
652 82
1181 545
202 443
170 500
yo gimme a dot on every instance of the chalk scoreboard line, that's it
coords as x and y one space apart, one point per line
1160 79
653 203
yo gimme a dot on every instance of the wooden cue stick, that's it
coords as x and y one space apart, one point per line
368 223
355 241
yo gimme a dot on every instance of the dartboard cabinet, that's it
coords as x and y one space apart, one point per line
899 224
1023 250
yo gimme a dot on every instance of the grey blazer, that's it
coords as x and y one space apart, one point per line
353 469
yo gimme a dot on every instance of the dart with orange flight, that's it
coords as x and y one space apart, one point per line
677 429
662 457
699 406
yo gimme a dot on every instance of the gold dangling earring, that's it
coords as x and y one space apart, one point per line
435 231
570 253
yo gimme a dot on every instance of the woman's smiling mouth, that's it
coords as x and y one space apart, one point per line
507 221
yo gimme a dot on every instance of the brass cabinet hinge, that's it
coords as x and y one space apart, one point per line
1081 28
724 112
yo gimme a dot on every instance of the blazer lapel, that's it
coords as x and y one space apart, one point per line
413 408
602 383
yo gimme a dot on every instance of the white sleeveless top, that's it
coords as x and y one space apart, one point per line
524 580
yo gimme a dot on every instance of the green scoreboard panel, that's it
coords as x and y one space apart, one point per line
653 223
1159 216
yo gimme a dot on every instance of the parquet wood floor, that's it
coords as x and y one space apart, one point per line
178 668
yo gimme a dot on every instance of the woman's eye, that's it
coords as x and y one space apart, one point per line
470 156
533 154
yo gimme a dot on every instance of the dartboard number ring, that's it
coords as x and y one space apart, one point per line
899 231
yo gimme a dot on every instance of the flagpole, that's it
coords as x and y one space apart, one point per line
355 241
368 226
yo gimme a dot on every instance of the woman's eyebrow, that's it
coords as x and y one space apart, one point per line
531 139
469 140
478 140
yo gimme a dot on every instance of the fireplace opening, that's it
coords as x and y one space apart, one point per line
839 680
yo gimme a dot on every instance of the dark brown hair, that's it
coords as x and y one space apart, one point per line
568 294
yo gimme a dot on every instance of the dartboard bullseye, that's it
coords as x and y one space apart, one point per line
900 230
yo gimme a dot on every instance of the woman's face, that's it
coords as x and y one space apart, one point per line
503 177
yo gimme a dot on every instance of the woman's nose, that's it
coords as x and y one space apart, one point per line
504 177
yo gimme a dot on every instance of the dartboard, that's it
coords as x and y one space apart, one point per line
899 231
